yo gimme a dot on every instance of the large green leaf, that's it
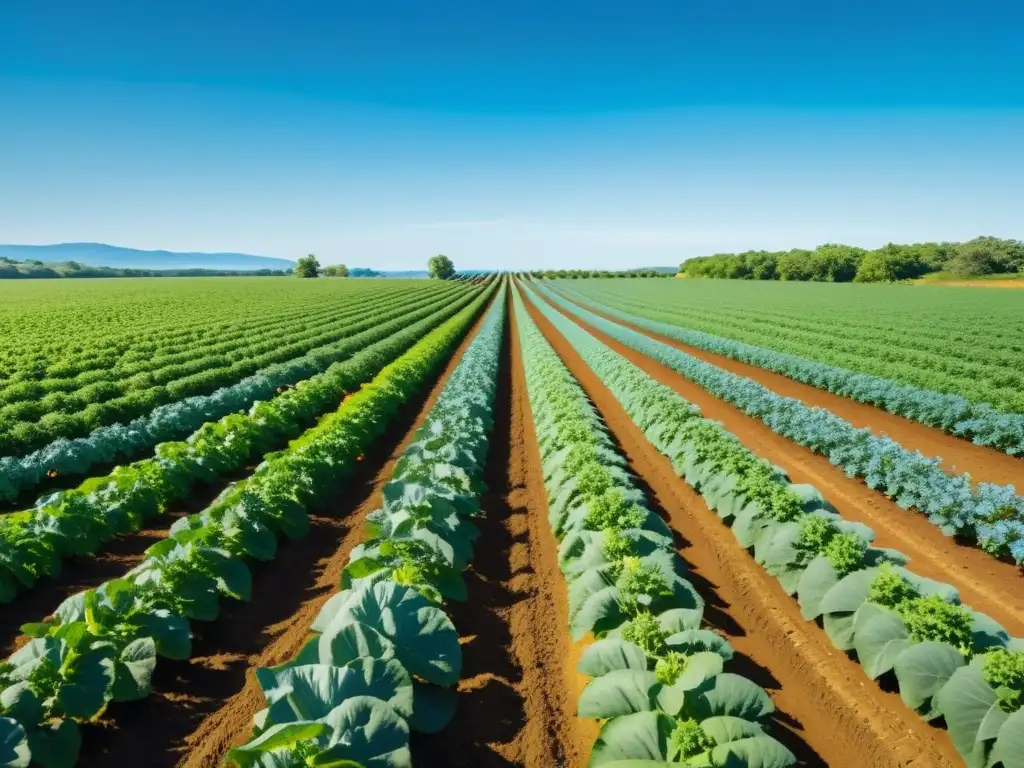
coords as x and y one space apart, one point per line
970 708
724 728
922 670
642 736
609 654
342 643
879 637
849 593
432 708
601 612
695 640
699 668
281 737
310 692
19 702
728 694
86 694
617 693
839 628
14 752
369 732
425 640
55 745
754 752
133 670
815 582
1009 746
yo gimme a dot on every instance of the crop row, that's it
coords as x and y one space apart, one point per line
173 421
965 356
384 654
947 660
153 352
102 644
134 320
978 422
76 522
993 515
658 682
32 424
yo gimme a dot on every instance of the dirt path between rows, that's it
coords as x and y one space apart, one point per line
986 584
829 712
986 465
201 708
516 703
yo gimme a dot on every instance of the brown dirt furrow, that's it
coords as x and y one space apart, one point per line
986 465
516 706
830 713
201 708
986 584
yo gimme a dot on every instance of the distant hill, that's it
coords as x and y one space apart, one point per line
100 255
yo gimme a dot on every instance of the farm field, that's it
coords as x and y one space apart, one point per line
623 523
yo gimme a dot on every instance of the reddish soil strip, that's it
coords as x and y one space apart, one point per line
516 702
829 712
80 573
201 708
985 465
985 583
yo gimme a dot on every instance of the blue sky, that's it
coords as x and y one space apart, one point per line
509 134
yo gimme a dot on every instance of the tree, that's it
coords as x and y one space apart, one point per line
441 267
836 263
307 266
888 263
336 270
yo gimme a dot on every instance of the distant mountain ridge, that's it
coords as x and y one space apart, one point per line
102 255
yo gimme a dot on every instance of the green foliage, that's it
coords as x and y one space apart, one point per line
669 667
844 263
336 270
645 631
441 267
1004 672
890 589
689 740
308 266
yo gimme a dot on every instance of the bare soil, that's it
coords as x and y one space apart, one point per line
986 584
829 712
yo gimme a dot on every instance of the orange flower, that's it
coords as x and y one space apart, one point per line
52 473
359 458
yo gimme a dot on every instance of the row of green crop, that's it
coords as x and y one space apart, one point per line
383 654
77 522
157 353
946 659
128 323
174 421
992 515
658 682
33 423
962 344
102 644
954 414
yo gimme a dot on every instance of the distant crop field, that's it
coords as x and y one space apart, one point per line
78 355
963 341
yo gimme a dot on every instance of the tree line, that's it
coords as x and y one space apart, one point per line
838 263
572 274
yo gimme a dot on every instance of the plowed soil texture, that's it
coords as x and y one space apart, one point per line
829 712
